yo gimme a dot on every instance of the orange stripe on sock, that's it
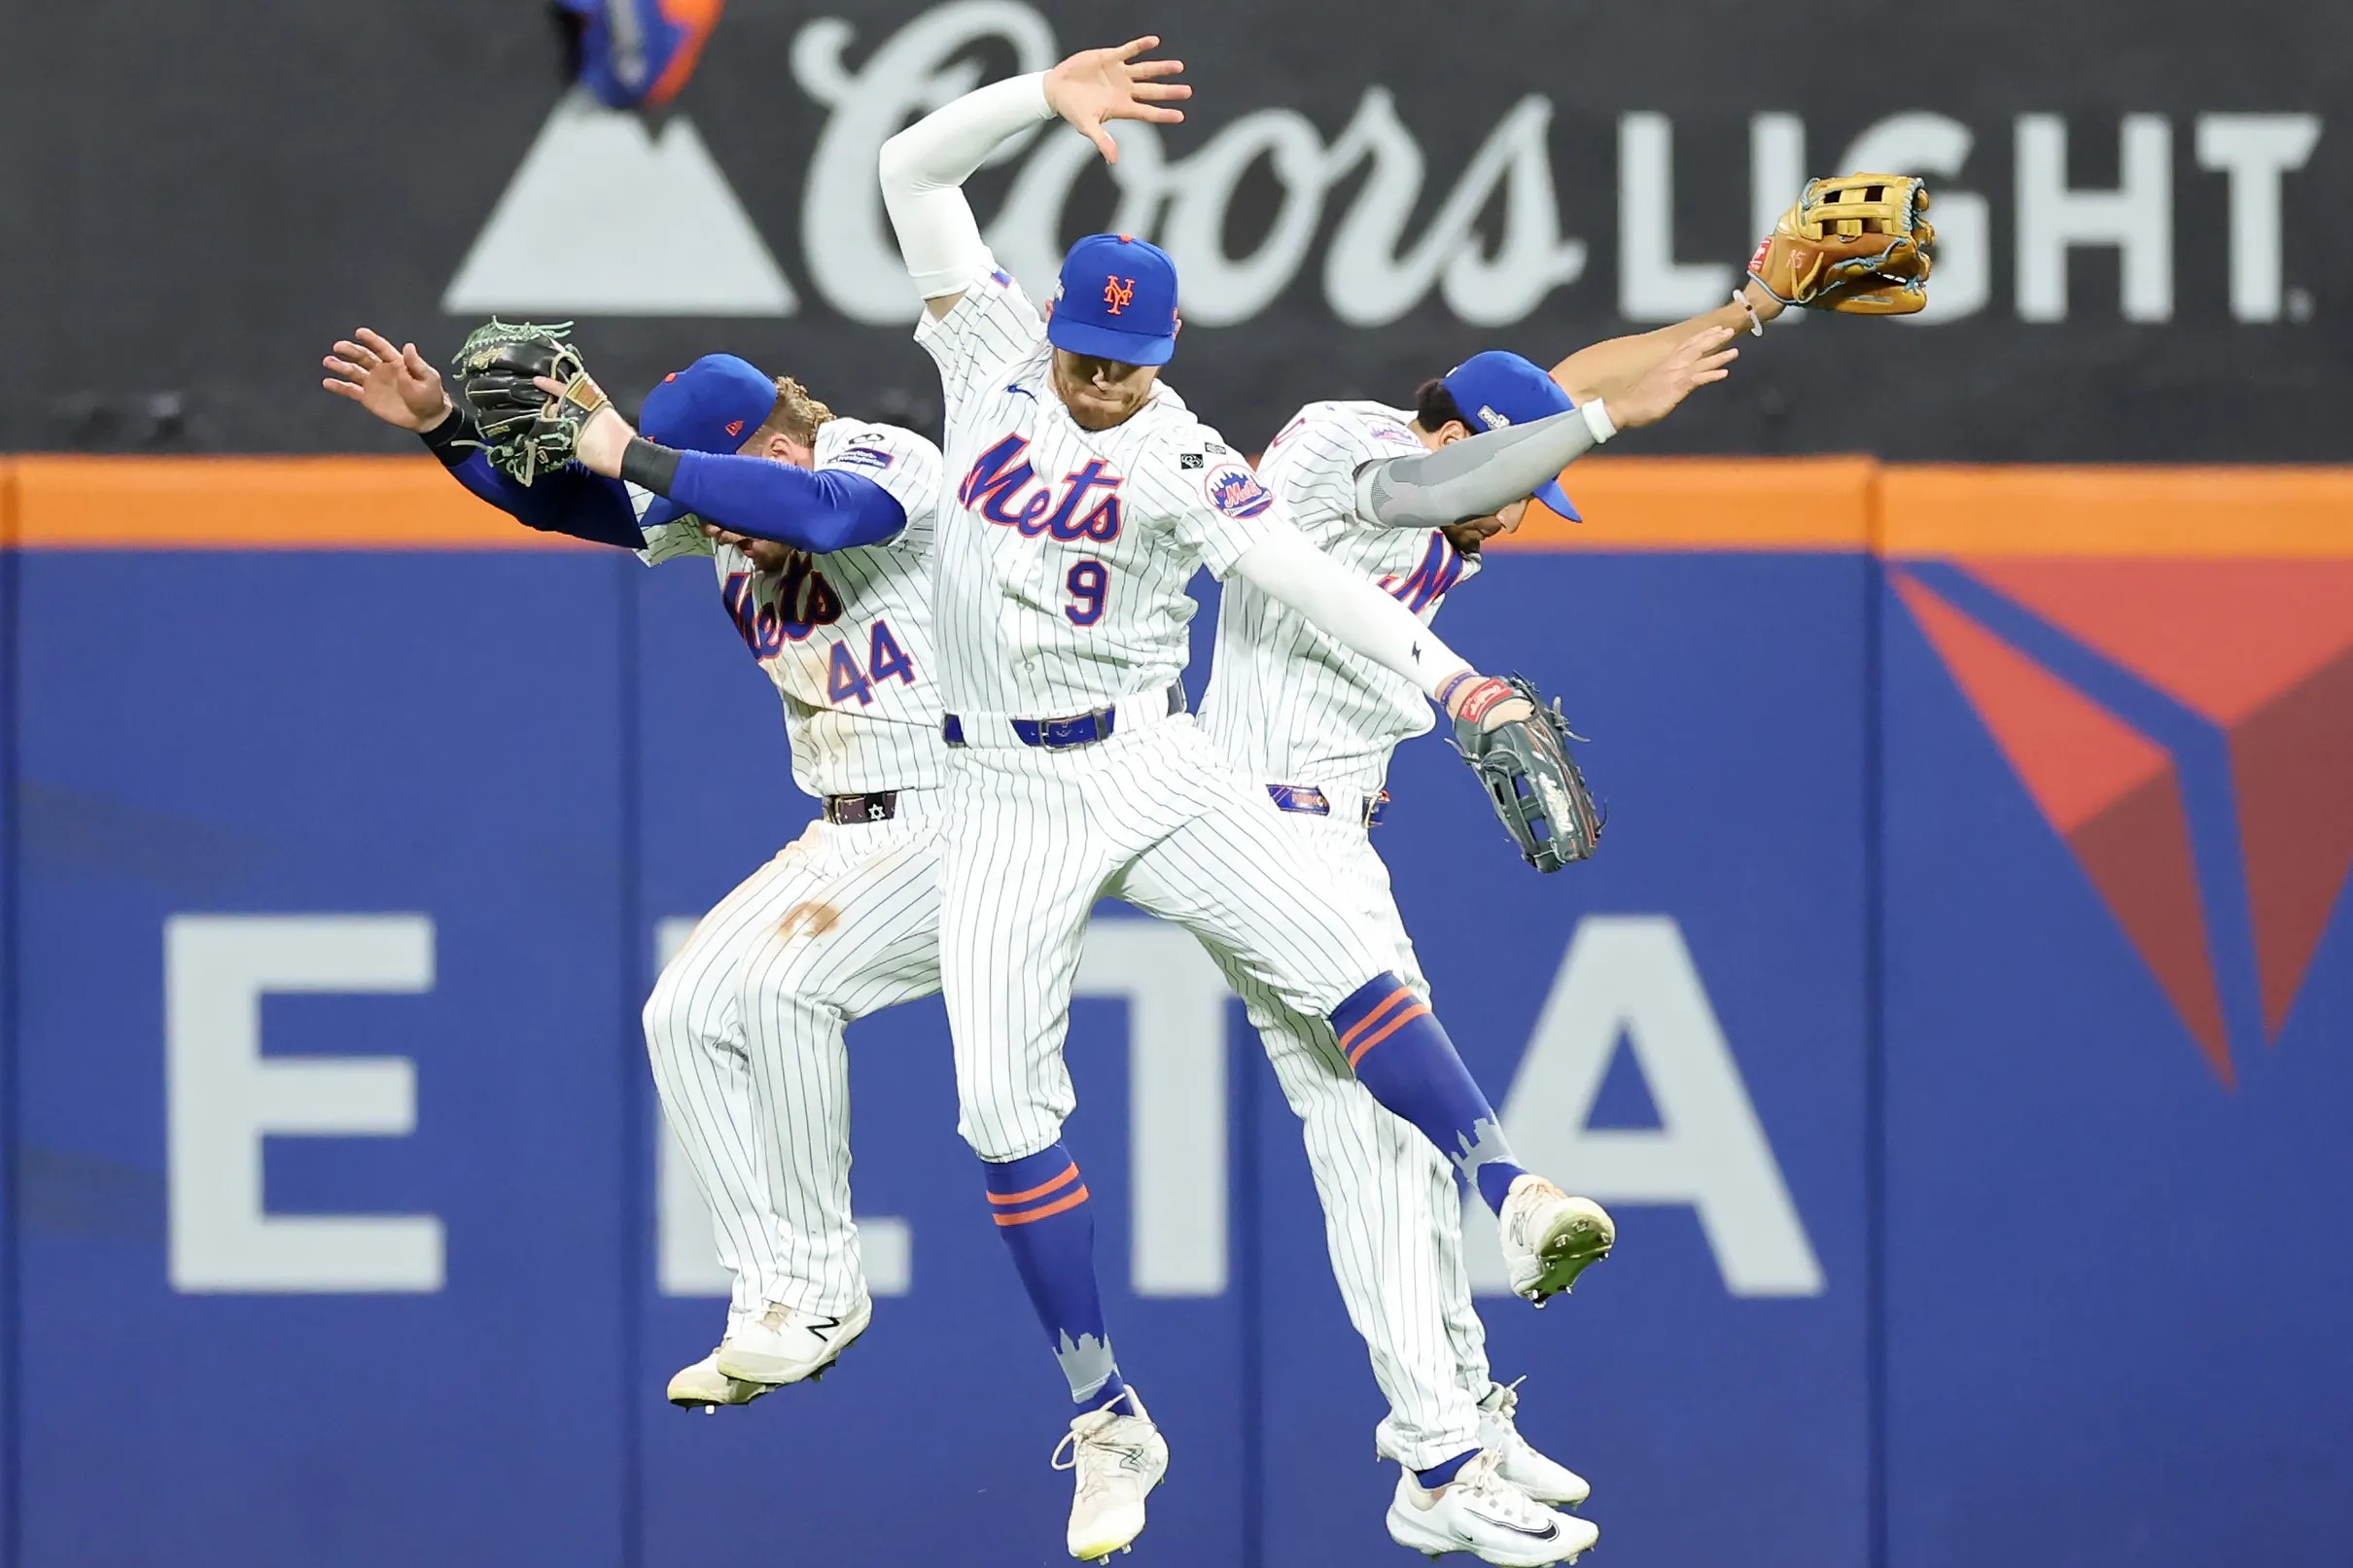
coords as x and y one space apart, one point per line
1403 994
1069 1173
1066 1201
1417 1010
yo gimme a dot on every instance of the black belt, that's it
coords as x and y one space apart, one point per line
879 807
1308 801
1062 734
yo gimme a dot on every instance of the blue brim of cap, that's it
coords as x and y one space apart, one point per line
1103 342
663 510
1552 495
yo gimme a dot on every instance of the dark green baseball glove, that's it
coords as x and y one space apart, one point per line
525 432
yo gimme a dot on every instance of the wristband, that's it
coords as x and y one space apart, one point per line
1597 420
1446 688
452 437
650 467
1479 699
1756 323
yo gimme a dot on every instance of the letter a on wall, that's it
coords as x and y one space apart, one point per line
1632 975
606 218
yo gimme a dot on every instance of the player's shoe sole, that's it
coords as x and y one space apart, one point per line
1505 1547
704 1387
1579 1236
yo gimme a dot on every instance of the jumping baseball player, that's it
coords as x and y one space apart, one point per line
1318 722
820 529
1087 495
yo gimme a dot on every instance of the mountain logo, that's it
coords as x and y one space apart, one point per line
608 218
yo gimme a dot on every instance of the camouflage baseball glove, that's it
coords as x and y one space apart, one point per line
1530 779
1857 243
525 432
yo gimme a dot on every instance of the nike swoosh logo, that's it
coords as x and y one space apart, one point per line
1545 1534
1024 391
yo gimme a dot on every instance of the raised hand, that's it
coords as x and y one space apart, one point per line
1097 84
1696 361
394 384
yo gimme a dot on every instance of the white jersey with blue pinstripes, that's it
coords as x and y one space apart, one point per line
1063 552
1285 700
846 637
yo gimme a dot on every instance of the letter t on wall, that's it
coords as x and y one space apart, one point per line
223 1097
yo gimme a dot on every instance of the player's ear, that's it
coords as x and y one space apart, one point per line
1179 329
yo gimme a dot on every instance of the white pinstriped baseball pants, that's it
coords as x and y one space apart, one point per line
1393 1216
1161 818
771 1154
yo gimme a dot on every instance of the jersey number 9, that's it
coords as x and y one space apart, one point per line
1088 582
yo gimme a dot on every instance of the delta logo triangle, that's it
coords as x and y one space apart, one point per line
608 218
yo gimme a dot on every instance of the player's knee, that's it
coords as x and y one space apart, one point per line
999 1141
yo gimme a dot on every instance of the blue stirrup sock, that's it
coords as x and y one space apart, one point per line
1399 1051
1040 1204
1440 1474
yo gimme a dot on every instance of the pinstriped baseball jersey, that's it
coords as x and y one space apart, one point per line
1064 552
1285 699
846 637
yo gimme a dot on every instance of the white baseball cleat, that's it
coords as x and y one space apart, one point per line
784 1345
1543 1479
1550 1239
704 1387
1119 1460
1481 1514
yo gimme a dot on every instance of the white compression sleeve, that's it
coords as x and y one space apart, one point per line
924 166
1483 474
1367 620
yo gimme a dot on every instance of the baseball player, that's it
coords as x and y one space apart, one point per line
1318 722
820 529
1085 497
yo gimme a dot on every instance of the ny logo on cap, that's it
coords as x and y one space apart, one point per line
1117 291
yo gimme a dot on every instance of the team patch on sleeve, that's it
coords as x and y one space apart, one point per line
866 457
1235 491
1394 433
1190 459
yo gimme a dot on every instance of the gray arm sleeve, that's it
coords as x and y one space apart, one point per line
1472 477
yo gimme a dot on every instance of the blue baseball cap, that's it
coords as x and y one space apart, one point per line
1117 301
711 406
1495 389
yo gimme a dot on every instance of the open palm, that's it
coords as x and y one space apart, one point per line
1097 84
394 384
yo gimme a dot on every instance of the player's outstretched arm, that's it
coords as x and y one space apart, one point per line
924 167
1291 569
1609 370
1489 471
402 388
759 498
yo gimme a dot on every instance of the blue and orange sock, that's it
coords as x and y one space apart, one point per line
1401 1053
1040 1204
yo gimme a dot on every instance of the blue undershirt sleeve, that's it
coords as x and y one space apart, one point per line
569 500
817 510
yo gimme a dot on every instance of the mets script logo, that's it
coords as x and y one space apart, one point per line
1003 488
1440 570
1117 291
1235 491
771 610
2186 727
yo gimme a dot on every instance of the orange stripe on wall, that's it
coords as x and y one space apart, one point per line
1708 504
1632 503
2238 511
258 503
